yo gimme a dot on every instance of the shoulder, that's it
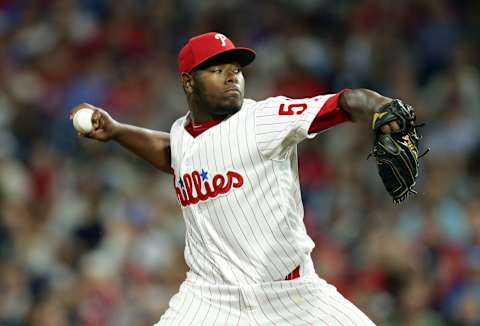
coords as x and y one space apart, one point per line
248 102
178 124
268 103
265 102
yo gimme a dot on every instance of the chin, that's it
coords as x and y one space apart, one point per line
228 108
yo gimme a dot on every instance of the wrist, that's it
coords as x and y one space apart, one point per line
118 129
380 102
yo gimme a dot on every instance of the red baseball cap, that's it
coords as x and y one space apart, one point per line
202 47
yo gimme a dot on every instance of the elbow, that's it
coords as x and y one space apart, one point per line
349 98
352 102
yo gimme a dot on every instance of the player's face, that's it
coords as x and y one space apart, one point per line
219 88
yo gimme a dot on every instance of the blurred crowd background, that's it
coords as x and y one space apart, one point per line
91 235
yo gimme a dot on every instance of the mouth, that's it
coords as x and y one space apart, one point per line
233 90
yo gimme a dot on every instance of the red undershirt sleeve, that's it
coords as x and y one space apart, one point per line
329 115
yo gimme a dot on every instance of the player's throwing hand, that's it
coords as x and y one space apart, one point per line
104 126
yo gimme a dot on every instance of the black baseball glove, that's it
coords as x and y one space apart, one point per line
396 154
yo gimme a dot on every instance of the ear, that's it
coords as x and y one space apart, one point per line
187 82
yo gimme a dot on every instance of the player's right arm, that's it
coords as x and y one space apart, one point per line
150 145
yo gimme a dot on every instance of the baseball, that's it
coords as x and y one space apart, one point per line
82 120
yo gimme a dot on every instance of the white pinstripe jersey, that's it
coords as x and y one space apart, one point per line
238 187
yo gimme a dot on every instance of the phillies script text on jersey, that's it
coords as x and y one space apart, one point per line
204 190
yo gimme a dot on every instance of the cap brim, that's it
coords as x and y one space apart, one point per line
243 56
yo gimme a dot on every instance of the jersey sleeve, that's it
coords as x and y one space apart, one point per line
281 123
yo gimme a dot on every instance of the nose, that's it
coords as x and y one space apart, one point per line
232 77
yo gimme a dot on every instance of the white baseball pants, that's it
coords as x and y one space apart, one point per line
307 300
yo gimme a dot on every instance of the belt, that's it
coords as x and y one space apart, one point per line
294 274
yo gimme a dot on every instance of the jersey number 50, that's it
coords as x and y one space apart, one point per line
292 109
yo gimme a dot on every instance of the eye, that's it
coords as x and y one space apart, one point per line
217 70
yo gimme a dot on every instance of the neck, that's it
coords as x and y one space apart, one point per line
200 116
198 113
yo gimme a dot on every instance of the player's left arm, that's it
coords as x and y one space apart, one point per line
361 104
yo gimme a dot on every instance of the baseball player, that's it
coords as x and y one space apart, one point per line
234 167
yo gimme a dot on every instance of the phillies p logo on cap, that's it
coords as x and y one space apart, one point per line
222 38
206 46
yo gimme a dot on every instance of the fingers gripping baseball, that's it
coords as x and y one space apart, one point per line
103 126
